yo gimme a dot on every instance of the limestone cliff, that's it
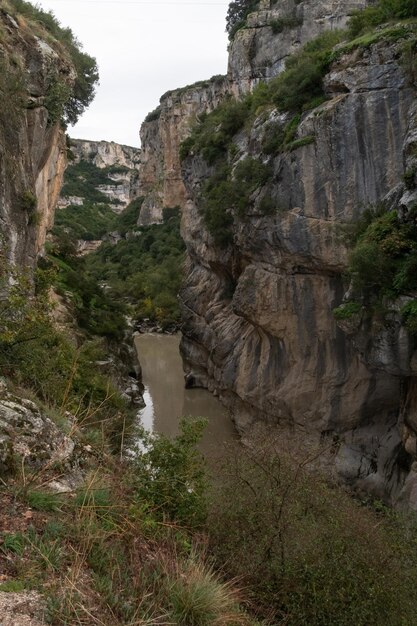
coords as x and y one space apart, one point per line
259 327
32 142
121 165
160 180
257 52
277 30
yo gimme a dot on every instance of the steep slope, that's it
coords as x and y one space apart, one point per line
160 180
258 306
45 82
33 151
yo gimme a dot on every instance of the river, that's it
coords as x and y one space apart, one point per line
167 399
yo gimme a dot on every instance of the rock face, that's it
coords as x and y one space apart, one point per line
28 435
160 178
258 323
32 149
277 30
256 53
121 164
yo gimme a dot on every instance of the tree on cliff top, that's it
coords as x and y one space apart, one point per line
237 13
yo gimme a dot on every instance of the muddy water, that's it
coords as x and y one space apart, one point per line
167 399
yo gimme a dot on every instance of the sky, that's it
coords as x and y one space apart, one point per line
143 49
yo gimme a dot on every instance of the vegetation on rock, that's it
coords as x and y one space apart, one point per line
237 13
297 89
64 101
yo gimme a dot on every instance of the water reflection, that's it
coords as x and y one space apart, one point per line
167 399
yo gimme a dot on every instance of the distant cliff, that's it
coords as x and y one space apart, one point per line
119 166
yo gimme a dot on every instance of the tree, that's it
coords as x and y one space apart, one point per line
237 13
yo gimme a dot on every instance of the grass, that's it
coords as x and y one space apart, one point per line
110 556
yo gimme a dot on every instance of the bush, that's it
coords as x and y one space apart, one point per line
213 132
227 193
347 310
409 312
170 477
285 23
307 552
383 255
302 80
384 11
153 115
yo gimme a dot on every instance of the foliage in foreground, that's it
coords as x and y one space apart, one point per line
114 555
129 547
306 552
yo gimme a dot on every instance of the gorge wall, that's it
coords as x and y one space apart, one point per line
160 179
259 328
32 143
257 52
120 164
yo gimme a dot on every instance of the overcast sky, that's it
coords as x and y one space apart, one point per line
143 48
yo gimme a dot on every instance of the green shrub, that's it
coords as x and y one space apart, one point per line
285 23
153 115
237 13
196 597
384 11
28 201
409 312
170 477
13 586
43 500
382 254
56 98
302 80
306 552
410 177
213 132
347 310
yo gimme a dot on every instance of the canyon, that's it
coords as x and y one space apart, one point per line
258 324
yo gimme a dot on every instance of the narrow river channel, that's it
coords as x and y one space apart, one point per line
167 399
